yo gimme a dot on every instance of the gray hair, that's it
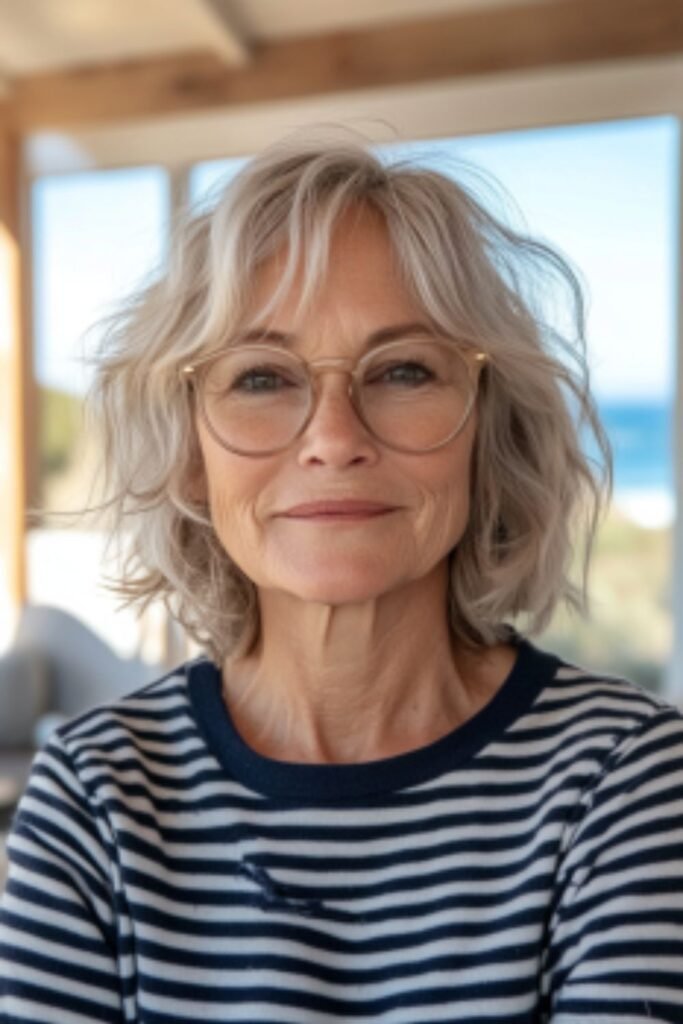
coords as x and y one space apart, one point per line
536 496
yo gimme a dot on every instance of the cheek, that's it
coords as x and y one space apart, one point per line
452 517
232 487
233 493
233 525
229 507
446 503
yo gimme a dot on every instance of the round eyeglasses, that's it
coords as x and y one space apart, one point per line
413 395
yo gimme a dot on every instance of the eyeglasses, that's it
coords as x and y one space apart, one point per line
413 395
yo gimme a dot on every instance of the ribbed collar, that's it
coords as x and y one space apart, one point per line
329 784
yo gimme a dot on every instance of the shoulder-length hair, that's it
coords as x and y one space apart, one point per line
536 496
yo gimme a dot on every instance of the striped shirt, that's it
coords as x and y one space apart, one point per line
527 867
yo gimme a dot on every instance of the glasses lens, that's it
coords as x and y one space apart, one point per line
255 399
416 394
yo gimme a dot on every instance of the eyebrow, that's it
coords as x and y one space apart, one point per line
378 337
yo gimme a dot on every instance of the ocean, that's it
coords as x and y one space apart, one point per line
642 441
642 438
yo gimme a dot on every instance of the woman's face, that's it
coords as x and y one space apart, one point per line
336 561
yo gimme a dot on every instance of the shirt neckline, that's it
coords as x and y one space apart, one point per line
333 783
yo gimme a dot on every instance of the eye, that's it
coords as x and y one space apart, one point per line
407 373
256 380
261 378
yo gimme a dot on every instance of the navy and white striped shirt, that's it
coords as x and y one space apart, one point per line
527 867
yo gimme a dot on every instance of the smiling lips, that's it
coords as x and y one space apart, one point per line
337 509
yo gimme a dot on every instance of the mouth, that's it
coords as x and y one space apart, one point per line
338 510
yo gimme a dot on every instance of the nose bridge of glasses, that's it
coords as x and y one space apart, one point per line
331 364
344 391
340 365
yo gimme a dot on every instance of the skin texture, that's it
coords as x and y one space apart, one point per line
355 660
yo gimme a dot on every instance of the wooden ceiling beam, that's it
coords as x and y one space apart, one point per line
230 42
466 43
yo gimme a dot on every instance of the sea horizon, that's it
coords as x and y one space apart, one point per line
641 432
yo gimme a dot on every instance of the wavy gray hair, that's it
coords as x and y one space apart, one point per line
536 497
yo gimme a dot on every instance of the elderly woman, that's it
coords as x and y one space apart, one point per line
342 442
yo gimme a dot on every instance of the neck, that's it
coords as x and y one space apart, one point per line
357 682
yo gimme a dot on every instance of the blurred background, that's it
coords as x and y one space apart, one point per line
115 113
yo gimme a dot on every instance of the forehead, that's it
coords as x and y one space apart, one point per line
361 284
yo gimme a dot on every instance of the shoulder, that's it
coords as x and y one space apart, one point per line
618 866
608 730
582 724
153 701
152 723
104 758
573 693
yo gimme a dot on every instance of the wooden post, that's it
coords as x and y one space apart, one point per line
13 375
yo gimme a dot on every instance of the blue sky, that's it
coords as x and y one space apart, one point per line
604 194
95 235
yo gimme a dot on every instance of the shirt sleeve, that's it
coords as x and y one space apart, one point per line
615 951
59 950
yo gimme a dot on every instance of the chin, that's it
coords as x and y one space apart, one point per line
331 590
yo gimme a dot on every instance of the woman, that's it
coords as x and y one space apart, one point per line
343 443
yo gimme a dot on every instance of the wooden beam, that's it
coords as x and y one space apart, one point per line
230 42
466 43
13 371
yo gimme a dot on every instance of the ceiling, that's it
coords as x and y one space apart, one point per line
48 35
112 82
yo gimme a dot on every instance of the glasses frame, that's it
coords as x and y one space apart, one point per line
192 373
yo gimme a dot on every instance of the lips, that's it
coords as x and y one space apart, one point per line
338 508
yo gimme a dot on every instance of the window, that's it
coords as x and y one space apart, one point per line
207 179
96 235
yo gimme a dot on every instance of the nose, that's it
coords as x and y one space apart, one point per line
335 434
